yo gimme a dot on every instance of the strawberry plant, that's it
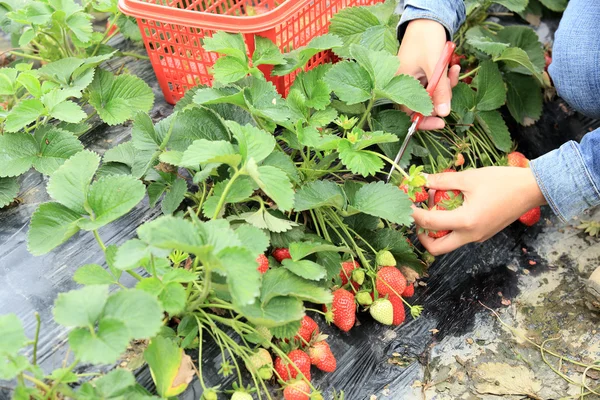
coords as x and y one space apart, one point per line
270 205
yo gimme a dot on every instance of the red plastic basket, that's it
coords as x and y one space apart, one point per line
173 33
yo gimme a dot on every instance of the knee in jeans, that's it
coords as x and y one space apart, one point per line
575 75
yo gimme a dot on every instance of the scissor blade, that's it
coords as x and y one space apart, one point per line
411 132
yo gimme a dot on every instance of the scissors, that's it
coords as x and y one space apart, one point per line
417 118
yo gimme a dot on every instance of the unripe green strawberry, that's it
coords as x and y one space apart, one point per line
364 298
209 394
382 311
316 396
261 363
385 259
380 225
358 276
241 396
265 333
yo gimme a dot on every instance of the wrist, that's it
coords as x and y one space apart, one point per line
432 29
533 193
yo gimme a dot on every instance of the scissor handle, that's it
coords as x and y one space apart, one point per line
440 68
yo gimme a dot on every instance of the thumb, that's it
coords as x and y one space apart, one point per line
446 181
442 97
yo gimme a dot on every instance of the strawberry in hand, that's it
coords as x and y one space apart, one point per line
413 185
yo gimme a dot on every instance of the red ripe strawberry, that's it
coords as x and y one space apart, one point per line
281 254
409 291
390 280
322 357
308 328
346 271
517 159
448 199
469 79
298 390
398 305
438 234
531 217
455 60
420 195
449 170
298 358
343 309
263 263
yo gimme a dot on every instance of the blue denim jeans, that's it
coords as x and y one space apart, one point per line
569 177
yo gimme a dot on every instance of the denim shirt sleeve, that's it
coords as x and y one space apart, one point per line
450 13
569 177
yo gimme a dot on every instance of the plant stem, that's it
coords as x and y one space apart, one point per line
225 192
470 73
99 240
37 382
24 55
367 113
38 323
134 55
383 157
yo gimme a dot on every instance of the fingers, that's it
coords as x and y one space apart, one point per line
442 97
437 220
453 74
431 123
447 181
443 245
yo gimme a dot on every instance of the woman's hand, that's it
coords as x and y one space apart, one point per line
494 197
421 49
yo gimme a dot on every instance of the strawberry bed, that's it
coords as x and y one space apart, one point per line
184 207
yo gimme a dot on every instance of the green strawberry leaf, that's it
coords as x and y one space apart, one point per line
394 241
13 335
10 368
350 24
491 92
383 38
494 126
463 99
524 98
263 219
168 233
360 162
51 225
513 5
243 278
175 195
266 52
299 250
9 189
278 312
517 60
55 147
281 282
171 295
166 360
229 69
228 44
305 269
253 239
17 153
316 92
137 310
193 124
319 194
287 331
69 184
350 82
253 142
202 152
526 39
406 90
300 57
240 190
555 5
115 383
93 274
384 201
283 162
263 100
23 113
104 346
276 184
380 65
117 99
81 307
110 198
483 41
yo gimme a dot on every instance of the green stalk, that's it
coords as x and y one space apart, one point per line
37 382
225 192
470 73
361 123
134 55
36 338
24 55
200 376
99 240
383 157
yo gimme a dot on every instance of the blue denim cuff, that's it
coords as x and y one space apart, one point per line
565 181
450 13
